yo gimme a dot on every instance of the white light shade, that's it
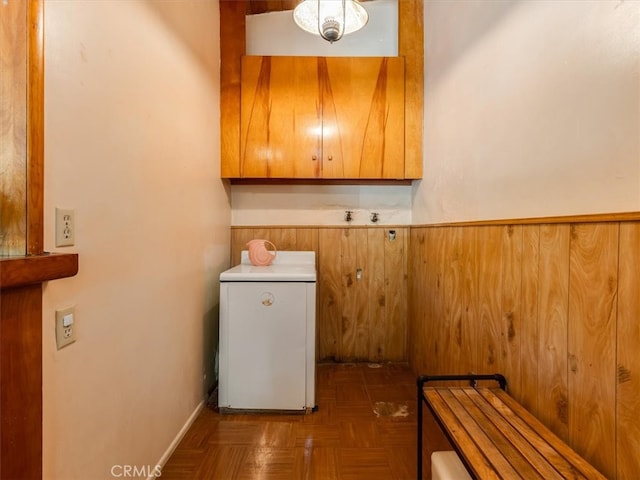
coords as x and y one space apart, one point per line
306 15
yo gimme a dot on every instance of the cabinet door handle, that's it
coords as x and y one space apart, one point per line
314 158
330 157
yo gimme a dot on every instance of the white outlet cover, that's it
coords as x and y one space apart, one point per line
65 227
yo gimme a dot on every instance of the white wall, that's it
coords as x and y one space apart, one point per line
132 144
532 109
319 204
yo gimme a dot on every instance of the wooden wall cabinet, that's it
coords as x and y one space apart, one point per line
322 118
232 48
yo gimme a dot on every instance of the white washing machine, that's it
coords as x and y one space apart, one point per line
267 335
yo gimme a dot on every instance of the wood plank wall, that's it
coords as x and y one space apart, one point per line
13 134
358 319
555 307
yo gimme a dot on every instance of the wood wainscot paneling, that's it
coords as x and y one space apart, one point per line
362 287
628 353
591 335
554 305
530 338
330 298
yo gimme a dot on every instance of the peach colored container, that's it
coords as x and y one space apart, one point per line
259 255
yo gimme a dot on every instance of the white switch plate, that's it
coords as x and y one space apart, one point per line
65 227
65 334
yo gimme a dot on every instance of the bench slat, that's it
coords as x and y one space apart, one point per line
528 452
535 436
580 468
509 443
474 458
479 436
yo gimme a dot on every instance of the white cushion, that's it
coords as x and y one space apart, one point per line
448 466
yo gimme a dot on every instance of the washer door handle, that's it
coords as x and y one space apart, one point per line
267 299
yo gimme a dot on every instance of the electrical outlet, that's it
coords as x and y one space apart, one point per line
65 327
65 227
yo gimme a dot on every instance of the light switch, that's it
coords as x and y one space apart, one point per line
67 320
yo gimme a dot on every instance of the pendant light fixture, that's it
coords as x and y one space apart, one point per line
331 19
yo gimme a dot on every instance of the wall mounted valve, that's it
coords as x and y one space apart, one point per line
348 215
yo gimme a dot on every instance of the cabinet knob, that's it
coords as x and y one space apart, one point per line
330 157
314 158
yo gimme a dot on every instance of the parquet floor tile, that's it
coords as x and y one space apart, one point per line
364 463
364 429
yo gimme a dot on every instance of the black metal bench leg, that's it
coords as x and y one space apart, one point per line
420 384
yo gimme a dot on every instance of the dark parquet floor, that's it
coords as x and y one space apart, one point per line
364 429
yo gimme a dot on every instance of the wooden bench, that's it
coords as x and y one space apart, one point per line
494 436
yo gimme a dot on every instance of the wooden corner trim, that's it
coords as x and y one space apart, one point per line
22 271
35 128
586 218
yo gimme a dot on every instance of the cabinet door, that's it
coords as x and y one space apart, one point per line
362 117
322 117
280 118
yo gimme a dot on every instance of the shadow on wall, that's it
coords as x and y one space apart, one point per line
210 347
193 29
472 19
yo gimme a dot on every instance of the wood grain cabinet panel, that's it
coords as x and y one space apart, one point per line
322 117
280 118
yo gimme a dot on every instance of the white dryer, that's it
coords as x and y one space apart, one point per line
267 335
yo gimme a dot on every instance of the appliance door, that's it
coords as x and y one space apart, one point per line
266 339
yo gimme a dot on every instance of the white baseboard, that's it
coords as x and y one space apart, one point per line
169 451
